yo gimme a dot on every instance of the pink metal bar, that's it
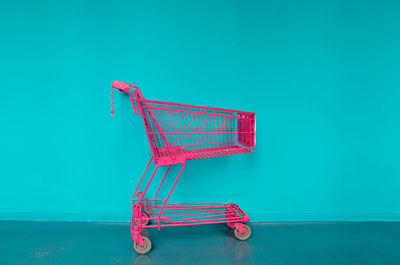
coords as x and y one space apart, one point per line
169 194
137 186
196 106
144 192
166 173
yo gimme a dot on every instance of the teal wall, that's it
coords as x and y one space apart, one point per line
322 76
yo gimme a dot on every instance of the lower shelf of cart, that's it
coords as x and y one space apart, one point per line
181 214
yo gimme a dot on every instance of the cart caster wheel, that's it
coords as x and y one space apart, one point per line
145 248
145 219
231 225
245 235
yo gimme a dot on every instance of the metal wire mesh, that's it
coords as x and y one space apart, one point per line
195 131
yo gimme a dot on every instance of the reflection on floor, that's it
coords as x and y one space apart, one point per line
272 243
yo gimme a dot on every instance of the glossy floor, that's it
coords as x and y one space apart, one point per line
272 243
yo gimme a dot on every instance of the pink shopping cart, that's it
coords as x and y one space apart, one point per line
177 133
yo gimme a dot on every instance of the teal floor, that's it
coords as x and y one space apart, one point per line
321 243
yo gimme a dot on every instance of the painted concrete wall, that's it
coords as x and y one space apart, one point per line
322 77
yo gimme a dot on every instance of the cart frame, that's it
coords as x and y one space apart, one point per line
177 133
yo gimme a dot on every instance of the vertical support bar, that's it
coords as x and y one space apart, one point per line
155 196
140 181
144 192
169 194
160 122
236 126
189 128
193 129
171 136
229 130
208 135
180 126
215 128
165 123
185 130
224 129
202 128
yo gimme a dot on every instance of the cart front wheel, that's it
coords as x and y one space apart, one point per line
145 248
243 236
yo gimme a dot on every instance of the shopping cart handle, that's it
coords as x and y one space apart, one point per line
123 86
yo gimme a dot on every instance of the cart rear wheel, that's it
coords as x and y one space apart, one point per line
245 235
145 219
146 246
